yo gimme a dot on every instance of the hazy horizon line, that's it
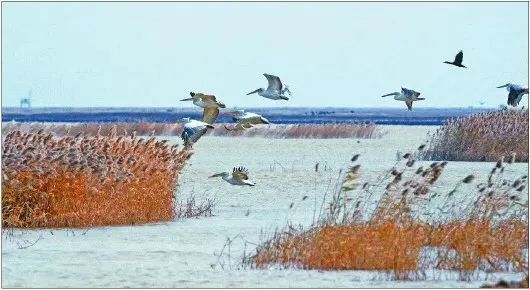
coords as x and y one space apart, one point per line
286 107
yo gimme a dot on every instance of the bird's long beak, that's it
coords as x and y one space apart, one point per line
391 94
502 86
228 113
216 175
188 99
253 92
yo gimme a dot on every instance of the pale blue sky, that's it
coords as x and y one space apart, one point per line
330 54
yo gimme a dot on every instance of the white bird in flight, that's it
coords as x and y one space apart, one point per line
241 126
275 91
246 119
239 176
253 118
516 93
204 101
406 95
193 129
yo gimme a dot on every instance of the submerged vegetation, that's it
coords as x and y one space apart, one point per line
403 226
481 137
369 130
83 181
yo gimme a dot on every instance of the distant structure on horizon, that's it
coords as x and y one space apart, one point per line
26 102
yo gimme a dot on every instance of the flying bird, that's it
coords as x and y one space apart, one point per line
239 176
240 126
252 118
208 103
204 101
458 60
406 95
275 91
193 130
246 120
516 93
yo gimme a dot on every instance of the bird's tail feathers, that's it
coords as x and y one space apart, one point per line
286 89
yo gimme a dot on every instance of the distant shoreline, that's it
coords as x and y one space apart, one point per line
380 116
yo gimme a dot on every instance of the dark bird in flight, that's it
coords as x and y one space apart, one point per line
516 93
458 60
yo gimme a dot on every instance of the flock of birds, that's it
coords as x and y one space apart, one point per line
194 129
408 96
276 90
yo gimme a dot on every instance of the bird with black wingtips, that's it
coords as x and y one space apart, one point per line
275 91
209 103
239 176
458 60
516 93
204 101
240 126
193 130
246 120
406 95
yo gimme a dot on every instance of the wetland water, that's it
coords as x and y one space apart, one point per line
181 253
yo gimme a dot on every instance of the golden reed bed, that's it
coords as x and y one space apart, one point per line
175 129
481 137
83 181
401 226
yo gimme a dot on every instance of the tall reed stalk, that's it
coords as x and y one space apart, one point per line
481 137
83 181
401 225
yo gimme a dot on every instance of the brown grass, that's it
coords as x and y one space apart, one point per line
192 207
83 181
304 131
481 137
164 129
400 225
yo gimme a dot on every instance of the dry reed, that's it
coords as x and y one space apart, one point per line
481 137
164 129
305 131
83 181
401 226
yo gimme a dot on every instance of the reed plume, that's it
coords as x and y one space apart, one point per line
87 180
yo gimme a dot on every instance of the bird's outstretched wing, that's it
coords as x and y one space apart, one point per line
409 93
240 126
515 96
209 115
192 134
274 82
240 173
409 105
205 97
459 57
